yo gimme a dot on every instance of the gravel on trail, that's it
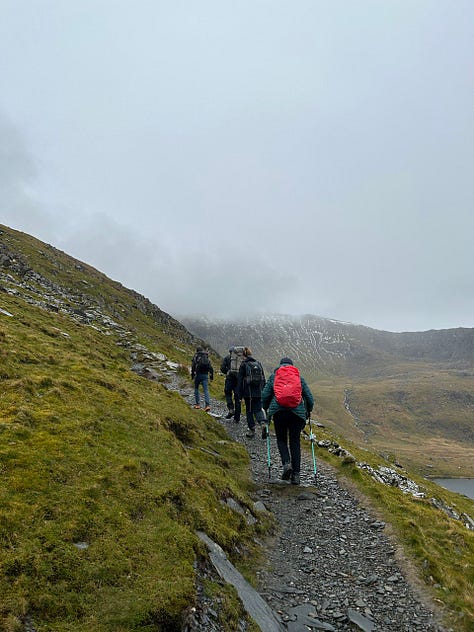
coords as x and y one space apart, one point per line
332 564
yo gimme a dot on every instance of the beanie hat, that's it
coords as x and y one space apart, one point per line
286 361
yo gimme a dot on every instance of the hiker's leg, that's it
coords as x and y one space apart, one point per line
238 405
205 388
281 433
196 388
295 426
228 393
258 411
249 413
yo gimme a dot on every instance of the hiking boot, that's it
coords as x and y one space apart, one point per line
197 406
287 471
250 433
207 409
230 414
295 478
264 432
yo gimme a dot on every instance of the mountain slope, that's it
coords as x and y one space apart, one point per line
105 476
328 347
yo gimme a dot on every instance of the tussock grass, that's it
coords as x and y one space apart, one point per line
103 483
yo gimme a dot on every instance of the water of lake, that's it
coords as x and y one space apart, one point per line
460 485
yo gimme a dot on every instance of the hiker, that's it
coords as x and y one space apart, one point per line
201 373
249 388
230 368
288 400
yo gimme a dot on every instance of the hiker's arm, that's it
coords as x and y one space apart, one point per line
307 396
264 381
267 394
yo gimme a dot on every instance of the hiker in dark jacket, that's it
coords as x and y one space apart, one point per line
288 423
201 372
250 390
230 389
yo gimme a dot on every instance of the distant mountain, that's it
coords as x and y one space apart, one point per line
329 347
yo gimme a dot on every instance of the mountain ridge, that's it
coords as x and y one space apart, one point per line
328 346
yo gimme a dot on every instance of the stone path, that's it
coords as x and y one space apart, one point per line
331 565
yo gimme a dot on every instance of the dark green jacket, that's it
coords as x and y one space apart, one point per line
270 404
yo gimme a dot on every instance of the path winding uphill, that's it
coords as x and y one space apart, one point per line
331 566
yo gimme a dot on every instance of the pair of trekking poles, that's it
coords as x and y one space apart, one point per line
312 438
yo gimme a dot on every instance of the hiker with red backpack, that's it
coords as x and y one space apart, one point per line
249 388
288 400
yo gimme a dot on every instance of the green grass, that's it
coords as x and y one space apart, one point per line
91 453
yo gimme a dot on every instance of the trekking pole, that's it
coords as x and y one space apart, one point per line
267 437
268 450
312 438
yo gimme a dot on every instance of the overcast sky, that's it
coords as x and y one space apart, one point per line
249 156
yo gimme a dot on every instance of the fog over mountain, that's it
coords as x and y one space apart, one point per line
235 158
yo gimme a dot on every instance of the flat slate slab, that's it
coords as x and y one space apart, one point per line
253 603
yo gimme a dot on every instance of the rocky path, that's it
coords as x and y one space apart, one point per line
331 566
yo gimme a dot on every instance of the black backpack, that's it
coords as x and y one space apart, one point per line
203 364
253 373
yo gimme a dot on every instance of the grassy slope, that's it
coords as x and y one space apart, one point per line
425 418
89 452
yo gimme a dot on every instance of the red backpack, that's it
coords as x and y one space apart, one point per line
287 386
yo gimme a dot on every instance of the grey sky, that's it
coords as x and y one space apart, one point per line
254 156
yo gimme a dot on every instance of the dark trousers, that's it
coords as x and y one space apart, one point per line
253 410
231 398
289 426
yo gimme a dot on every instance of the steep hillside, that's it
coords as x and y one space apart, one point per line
105 476
48 278
407 394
